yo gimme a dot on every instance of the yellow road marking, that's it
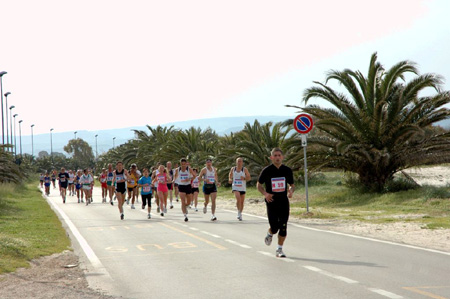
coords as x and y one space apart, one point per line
195 237
141 247
431 295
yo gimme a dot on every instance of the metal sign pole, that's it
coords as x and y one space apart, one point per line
304 143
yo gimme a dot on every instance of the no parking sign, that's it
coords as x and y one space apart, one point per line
303 124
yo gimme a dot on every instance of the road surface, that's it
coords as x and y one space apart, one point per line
165 257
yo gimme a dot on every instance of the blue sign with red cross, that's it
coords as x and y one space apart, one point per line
303 123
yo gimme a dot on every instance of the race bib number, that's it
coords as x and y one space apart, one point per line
102 180
132 182
195 184
184 178
110 178
212 179
119 178
161 179
278 184
238 183
146 189
62 180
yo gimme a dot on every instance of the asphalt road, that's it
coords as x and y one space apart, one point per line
165 257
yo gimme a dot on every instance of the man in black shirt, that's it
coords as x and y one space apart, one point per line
276 178
63 178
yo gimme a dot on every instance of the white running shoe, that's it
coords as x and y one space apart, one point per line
149 216
279 253
213 218
196 209
204 210
268 239
132 206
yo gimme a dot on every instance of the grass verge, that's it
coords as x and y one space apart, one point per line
29 227
329 198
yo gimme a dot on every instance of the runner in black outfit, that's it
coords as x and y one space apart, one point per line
276 178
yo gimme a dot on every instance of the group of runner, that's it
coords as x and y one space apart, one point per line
275 183
79 183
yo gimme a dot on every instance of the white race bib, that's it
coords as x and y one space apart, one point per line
278 184
146 189
238 183
211 179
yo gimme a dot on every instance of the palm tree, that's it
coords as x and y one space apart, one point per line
381 125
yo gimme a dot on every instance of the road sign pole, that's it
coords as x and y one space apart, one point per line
306 178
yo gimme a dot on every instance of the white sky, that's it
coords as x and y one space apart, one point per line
103 64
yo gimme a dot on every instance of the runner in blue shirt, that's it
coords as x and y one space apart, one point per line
146 192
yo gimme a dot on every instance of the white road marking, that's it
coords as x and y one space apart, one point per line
353 236
341 278
237 243
209 234
285 259
386 293
92 257
194 228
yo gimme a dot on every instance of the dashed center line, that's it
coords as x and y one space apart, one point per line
238 244
210 234
385 293
341 278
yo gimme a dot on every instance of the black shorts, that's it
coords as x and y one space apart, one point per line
130 189
209 188
176 185
146 199
278 214
195 190
63 186
70 184
121 188
170 186
185 189
240 192
41 181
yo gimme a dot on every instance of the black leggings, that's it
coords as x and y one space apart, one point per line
278 214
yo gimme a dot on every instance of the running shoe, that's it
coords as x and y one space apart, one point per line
162 214
176 199
171 206
128 201
279 253
132 206
115 197
111 203
165 210
196 209
186 219
64 201
158 210
122 216
149 216
268 239
143 206
213 218
78 200
204 210
240 218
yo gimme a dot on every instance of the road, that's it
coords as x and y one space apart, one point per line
165 257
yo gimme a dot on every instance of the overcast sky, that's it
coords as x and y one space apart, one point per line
92 65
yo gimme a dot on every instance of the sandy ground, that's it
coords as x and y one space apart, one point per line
48 277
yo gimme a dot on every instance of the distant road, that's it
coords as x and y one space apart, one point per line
164 257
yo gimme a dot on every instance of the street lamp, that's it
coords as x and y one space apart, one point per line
51 145
32 143
1 91
6 120
114 146
96 152
10 121
20 137
75 133
15 142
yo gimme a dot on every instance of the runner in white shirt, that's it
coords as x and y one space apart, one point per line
183 175
195 188
86 182
238 177
209 175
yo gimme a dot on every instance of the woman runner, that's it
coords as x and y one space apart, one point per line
120 177
146 192
102 178
162 179
238 177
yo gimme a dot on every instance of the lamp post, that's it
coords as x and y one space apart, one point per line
10 121
1 91
51 145
114 144
96 152
75 133
20 137
32 143
15 142
6 120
